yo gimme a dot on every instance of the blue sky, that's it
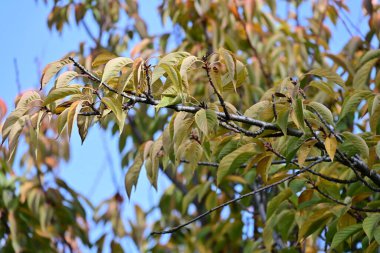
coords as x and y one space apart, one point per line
26 38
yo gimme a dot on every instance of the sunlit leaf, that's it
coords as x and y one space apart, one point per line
116 107
185 66
72 115
230 63
59 93
65 78
114 66
207 121
51 70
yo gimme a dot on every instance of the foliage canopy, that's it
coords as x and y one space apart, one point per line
271 140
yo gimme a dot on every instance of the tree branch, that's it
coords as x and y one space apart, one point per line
221 100
368 210
172 230
352 162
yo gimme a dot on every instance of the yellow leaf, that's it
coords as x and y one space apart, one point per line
304 151
330 145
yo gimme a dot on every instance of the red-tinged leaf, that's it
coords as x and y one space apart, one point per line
3 109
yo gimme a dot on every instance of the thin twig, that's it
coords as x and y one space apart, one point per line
368 210
274 107
266 74
89 32
17 73
147 76
172 230
206 66
283 161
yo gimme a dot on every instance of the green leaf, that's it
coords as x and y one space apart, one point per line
323 111
378 149
46 213
361 76
376 234
181 128
351 103
342 62
189 197
323 86
116 107
375 114
173 75
313 223
191 151
353 144
298 109
235 159
370 224
167 101
344 234
329 75
59 93
207 121
65 78
275 202
370 55
133 172
282 119
51 70
114 66
262 110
